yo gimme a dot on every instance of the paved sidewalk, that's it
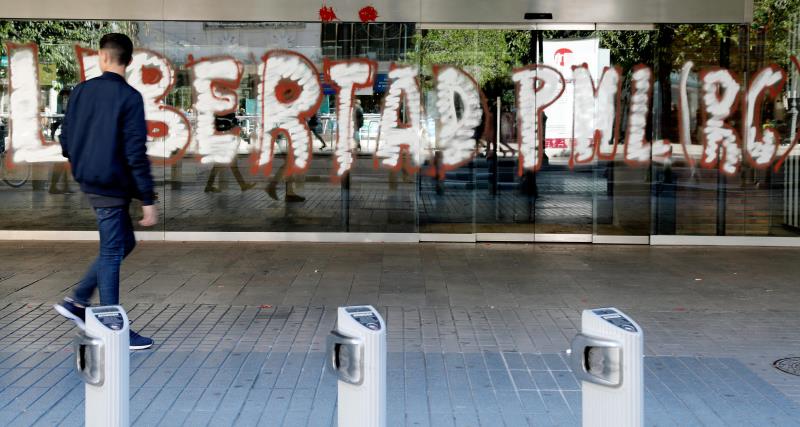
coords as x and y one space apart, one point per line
476 332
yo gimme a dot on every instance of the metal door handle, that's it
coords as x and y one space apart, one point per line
596 360
89 358
351 369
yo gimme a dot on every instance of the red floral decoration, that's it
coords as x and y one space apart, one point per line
326 14
368 14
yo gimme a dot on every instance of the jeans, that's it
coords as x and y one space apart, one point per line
116 242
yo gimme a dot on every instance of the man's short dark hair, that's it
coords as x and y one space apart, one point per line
120 47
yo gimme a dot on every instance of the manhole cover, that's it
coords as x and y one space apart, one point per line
790 365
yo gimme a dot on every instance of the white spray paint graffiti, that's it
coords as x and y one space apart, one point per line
761 145
661 150
215 82
168 130
594 113
456 137
683 108
89 62
537 87
27 141
720 92
289 93
637 148
396 136
347 76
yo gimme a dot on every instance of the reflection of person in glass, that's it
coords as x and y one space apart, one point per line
60 171
486 136
508 132
358 122
104 136
527 183
223 124
280 174
313 122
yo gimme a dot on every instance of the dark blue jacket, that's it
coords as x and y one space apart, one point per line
104 137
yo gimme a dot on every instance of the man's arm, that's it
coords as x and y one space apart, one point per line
63 139
134 133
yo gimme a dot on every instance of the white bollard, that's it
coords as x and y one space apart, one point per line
102 359
607 357
357 356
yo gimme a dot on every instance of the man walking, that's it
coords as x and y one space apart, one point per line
103 136
358 122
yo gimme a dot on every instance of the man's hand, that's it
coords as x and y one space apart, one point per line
150 216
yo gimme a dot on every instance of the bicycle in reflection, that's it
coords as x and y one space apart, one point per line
15 175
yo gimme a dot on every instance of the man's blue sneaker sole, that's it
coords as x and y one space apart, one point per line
140 347
69 315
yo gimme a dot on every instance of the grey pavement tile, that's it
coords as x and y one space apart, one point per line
76 417
276 408
459 362
522 379
445 419
674 406
140 398
184 405
565 380
19 403
573 399
252 408
324 404
63 407
514 360
532 402
555 362
416 418
535 362
544 380
501 381
158 409
555 403
395 394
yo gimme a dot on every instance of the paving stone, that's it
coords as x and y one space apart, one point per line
457 362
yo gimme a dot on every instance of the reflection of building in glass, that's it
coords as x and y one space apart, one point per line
379 41
242 40
383 42
245 41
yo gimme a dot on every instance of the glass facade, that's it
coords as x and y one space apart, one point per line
669 130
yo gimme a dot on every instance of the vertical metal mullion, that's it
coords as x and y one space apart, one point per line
796 191
790 200
369 36
383 41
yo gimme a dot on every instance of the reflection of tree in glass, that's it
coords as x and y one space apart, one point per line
774 22
56 40
478 52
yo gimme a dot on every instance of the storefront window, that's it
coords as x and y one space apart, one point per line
662 130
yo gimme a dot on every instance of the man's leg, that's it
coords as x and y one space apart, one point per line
357 137
82 293
212 176
73 308
314 131
272 187
115 245
243 184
